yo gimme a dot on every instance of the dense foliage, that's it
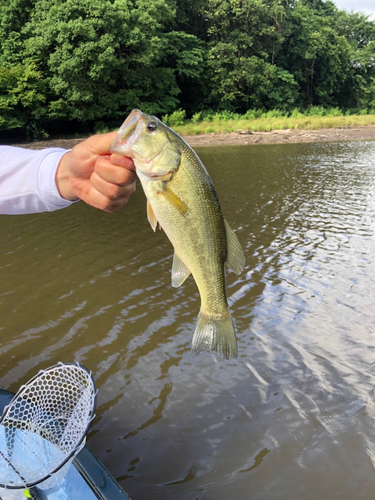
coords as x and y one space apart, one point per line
73 62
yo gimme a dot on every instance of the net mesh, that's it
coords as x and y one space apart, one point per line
45 425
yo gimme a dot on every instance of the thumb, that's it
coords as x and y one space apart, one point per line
100 143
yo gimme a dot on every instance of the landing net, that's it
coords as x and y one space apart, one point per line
45 425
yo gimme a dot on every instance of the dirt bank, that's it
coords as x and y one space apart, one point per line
284 136
247 137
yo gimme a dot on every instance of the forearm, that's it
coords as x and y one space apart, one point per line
53 178
28 181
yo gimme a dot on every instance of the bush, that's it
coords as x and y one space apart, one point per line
274 113
316 111
196 117
225 116
207 115
321 111
296 113
334 112
175 119
252 114
209 130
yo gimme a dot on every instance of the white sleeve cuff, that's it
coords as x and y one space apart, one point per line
27 180
47 180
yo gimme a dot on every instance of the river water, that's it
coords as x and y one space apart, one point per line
294 416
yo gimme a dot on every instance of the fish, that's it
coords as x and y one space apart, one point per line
182 200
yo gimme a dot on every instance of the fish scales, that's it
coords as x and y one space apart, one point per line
199 238
182 199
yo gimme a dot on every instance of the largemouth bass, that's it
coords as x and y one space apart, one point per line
182 200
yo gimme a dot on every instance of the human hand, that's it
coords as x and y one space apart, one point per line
90 172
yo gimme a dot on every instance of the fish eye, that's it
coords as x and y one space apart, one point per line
152 126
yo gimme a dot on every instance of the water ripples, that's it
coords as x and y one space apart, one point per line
294 414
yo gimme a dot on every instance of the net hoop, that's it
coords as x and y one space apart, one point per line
29 434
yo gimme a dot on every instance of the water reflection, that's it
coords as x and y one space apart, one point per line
293 416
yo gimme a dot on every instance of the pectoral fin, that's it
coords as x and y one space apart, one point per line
174 200
179 271
235 255
151 216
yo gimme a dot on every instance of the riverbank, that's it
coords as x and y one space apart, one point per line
244 137
247 137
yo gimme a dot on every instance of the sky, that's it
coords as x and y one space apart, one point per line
366 6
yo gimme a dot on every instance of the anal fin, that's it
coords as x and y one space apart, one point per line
179 271
235 256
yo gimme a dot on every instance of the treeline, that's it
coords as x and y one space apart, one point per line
67 64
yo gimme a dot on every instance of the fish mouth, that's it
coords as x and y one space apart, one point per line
160 176
126 134
129 125
123 143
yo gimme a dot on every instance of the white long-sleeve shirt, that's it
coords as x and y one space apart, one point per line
27 180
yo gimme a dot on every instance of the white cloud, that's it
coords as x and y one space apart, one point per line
365 6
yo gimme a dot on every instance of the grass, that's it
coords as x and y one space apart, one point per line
255 120
264 124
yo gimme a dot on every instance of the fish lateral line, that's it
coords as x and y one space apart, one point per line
159 153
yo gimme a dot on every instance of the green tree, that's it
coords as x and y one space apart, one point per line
92 61
21 98
359 31
101 58
243 39
316 54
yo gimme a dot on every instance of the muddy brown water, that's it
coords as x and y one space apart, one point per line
293 417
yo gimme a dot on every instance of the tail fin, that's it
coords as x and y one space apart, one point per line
215 333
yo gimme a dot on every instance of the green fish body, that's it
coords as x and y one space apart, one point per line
182 200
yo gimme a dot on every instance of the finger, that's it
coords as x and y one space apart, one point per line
99 200
111 190
120 175
122 161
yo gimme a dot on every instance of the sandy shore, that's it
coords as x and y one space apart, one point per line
244 137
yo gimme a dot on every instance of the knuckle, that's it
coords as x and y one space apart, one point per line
124 177
110 210
109 206
113 191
